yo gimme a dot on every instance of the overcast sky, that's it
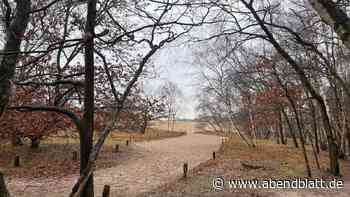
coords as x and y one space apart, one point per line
175 64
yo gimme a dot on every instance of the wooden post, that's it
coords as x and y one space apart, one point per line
106 191
3 189
17 162
74 155
116 148
214 155
185 170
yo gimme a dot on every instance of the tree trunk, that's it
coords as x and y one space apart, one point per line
301 135
14 35
315 153
277 134
87 129
252 124
283 140
144 126
333 147
348 137
173 123
299 122
15 30
314 126
169 119
291 131
335 17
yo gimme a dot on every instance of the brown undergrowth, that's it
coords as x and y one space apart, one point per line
273 161
54 157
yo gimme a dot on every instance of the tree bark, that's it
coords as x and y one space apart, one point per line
335 17
301 134
348 138
280 125
145 124
14 35
87 129
298 119
295 141
314 126
15 30
87 172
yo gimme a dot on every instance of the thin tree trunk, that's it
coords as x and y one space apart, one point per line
277 136
145 124
283 140
298 121
314 126
301 135
348 137
291 131
315 152
252 125
173 123
333 146
169 118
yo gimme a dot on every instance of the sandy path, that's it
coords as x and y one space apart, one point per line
156 163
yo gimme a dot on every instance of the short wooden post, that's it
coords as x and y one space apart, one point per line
106 191
127 142
74 155
185 169
3 189
17 161
116 148
214 155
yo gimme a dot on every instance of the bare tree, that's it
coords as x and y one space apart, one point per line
171 94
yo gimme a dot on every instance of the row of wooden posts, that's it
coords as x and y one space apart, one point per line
107 188
75 154
116 149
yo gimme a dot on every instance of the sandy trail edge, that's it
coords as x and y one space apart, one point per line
156 163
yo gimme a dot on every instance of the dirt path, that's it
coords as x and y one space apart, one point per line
156 163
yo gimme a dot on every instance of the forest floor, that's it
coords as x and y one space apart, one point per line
154 168
140 167
273 161
54 157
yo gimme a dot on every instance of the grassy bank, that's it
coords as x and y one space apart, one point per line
235 160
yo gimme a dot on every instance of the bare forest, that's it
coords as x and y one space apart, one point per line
86 111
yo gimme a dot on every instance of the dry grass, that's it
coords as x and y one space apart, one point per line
277 162
209 132
54 157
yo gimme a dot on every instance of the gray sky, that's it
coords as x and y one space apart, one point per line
175 64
